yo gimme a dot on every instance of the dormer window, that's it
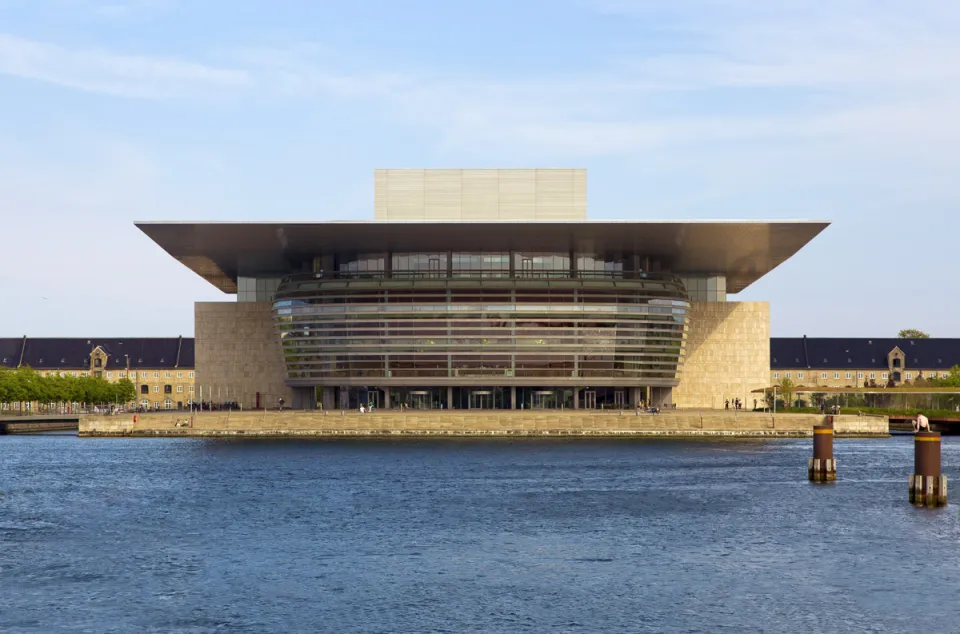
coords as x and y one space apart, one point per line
896 362
98 362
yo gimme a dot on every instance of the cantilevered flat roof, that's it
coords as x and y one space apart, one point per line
743 251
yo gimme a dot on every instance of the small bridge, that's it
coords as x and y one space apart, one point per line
35 424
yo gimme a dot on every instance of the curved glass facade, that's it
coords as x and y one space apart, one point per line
499 319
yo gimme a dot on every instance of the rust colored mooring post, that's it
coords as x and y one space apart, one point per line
822 467
928 487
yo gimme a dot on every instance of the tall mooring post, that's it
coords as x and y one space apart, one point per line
822 467
928 487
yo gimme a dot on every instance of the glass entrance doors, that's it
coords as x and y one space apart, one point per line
420 399
544 399
618 399
589 399
481 399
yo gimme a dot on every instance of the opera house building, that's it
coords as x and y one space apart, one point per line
481 289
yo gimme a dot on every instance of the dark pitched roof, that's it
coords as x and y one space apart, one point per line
187 348
61 353
10 351
830 353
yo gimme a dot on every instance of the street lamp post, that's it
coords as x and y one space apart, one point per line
127 360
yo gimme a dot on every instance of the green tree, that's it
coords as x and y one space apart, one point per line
25 385
10 390
786 388
951 380
911 333
124 391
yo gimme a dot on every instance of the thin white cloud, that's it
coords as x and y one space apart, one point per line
857 70
117 74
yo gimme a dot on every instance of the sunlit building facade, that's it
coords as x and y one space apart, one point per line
160 368
482 289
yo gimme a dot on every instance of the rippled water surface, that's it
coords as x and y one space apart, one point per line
181 535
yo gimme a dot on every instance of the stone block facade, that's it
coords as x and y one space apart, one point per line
727 354
237 356
476 423
480 194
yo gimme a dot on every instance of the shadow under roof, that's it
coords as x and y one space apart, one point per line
743 251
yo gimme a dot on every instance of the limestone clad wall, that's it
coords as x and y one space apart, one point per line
727 354
477 422
237 354
480 194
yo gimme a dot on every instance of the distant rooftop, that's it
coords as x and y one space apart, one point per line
73 353
842 353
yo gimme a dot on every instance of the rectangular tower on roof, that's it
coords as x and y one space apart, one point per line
454 195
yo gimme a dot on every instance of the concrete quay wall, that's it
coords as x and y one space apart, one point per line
477 423
33 427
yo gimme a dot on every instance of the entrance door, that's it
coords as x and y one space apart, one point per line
481 399
373 398
420 399
544 399
618 399
590 399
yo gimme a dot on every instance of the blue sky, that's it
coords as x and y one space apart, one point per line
122 110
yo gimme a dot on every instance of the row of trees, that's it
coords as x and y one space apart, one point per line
25 385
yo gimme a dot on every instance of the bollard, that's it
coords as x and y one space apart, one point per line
928 487
822 467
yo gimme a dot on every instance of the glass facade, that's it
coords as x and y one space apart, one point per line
706 288
252 289
485 330
501 318
481 397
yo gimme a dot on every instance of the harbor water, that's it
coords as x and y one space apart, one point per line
502 535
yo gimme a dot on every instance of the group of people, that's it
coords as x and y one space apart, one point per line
648 409
737 404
